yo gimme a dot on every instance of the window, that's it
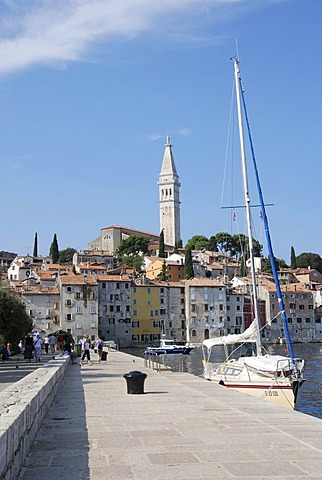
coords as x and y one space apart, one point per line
301 307
299 320
206 307
193 307
156 312
104 285
151 313
118 308
238 307
78 295
111 308
289 320
92 309
162 311
135 312
221 307
127 308
239 320
148 290
134 301
68 303
135 324
78 310
68 317
68 289
156 324
307 320
161 290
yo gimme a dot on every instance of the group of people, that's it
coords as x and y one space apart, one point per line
86 345
32 347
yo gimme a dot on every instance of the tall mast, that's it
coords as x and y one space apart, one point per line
247 202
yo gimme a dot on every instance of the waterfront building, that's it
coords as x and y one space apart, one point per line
79 305
206 309
146 324
169 198
114 308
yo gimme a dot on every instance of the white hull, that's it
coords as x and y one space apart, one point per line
237 375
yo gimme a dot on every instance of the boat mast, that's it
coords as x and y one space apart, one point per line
247 202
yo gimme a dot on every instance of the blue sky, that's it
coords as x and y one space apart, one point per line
89 91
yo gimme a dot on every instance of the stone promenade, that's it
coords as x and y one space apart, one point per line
182 428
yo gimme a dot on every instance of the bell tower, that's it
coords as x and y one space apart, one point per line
169 198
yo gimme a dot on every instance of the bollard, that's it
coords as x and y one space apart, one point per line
135 382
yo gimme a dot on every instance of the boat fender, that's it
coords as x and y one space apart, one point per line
221 382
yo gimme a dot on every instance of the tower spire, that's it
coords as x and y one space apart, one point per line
169 197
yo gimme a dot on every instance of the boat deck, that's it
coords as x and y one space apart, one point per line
183 428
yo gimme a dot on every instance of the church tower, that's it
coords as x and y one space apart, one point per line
169 198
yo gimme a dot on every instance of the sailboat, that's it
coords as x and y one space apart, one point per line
275 378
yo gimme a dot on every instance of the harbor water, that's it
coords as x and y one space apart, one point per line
310 395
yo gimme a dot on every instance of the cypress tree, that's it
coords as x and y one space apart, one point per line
188 267
161 245
293 259
54 251
163 275
35 254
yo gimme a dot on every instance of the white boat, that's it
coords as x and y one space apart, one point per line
168 347
275 378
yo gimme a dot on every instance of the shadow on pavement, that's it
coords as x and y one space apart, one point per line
61 447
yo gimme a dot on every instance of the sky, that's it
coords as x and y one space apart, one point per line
90 90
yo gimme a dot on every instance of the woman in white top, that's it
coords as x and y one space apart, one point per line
37 347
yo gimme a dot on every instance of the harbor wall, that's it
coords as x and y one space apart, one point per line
23 407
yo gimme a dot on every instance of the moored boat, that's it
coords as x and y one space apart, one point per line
276 378
168 347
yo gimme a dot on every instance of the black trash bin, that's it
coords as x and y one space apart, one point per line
135 382
104 355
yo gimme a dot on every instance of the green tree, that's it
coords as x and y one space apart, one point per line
161 245
293 259
197 242
222 241
188 266
15 323
35 253
134 261
312 260
163 275
66 256
133 245
54 250
177 245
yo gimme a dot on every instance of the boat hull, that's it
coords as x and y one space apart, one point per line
168 351
237 376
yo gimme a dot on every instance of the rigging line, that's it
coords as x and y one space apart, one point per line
229 136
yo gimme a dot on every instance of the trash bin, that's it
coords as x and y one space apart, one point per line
104 356
135 382
78 349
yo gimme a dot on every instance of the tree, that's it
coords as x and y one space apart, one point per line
188 266
133 245
66 256
222 241
312 260
293 259
35 254
54 251
163 275
161 245
197 242
15 323
177 245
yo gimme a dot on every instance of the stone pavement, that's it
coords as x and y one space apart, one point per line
182 428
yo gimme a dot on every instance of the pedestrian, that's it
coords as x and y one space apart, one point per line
29 346
52 340
37 348
99 344
46 342
85 350
21 347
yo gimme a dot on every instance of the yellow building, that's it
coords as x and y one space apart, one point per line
145 313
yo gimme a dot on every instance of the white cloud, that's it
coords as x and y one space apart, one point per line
55 32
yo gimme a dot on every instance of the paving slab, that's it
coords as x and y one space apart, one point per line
183 427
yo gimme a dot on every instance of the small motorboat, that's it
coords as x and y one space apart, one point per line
168 347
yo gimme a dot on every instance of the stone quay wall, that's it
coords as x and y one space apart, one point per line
23 406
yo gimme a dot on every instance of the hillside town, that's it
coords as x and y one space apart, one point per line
95 296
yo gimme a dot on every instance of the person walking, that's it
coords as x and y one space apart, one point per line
85 350
99 344
46 342
29 345
37 348
52 343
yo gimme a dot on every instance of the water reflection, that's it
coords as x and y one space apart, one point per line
310 396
